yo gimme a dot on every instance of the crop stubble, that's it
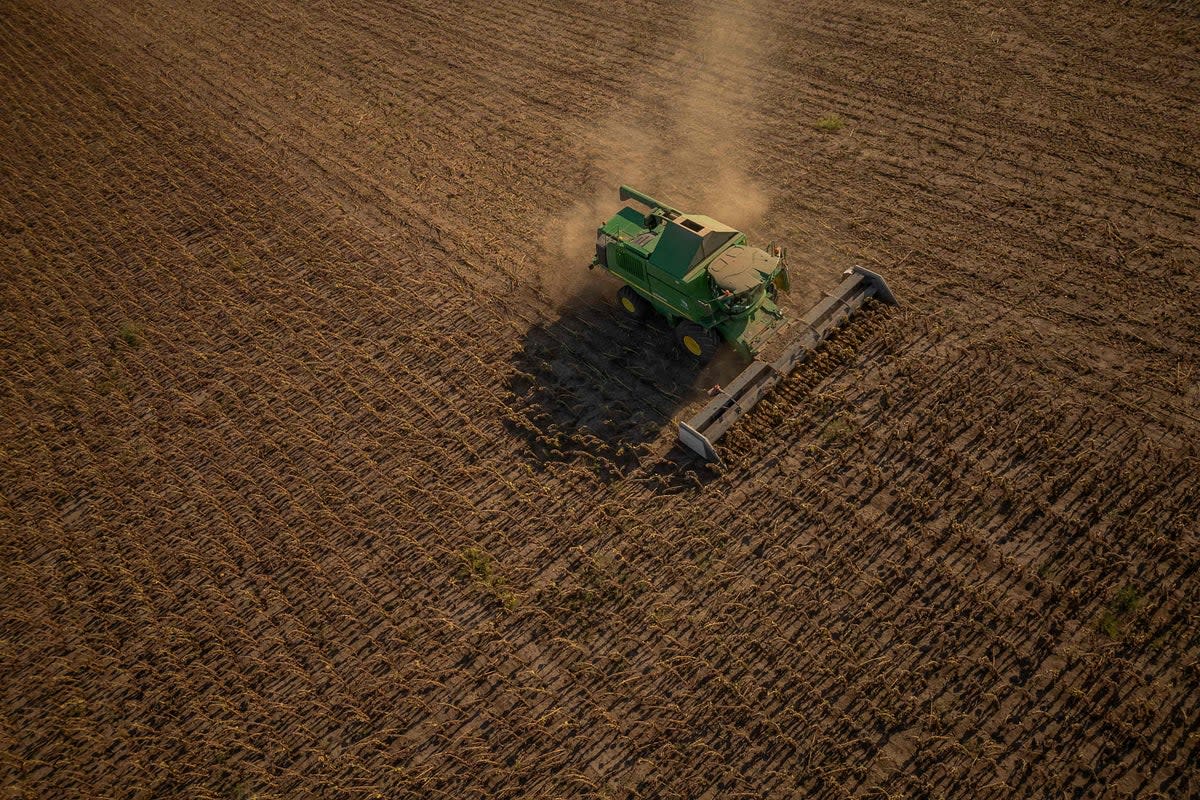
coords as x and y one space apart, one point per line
314 484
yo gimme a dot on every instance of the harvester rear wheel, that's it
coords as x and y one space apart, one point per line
633 303
696 341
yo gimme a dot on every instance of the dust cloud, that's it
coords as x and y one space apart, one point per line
682 139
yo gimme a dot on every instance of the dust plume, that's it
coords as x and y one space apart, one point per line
683 138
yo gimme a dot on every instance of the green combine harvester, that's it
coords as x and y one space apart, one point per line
710 284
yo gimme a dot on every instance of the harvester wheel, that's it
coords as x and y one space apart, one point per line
633 303
696 341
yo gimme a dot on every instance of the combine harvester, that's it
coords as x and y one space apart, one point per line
710 285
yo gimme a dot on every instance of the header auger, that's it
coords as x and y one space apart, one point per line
710 284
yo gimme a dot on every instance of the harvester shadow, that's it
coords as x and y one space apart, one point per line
598 385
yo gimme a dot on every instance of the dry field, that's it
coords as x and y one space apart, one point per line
328 471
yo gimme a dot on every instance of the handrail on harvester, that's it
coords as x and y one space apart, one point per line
701 431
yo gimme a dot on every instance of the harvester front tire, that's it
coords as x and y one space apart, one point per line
633 304
696 341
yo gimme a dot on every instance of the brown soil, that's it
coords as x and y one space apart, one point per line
328 471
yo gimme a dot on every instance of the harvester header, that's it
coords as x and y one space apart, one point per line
710 424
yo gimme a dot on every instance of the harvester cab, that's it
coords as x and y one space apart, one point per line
710 284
